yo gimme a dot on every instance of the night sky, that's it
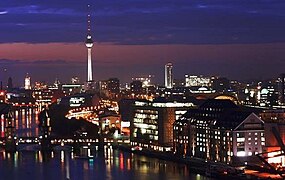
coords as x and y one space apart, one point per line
239 39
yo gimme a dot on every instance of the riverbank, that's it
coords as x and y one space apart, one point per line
199 166
195 165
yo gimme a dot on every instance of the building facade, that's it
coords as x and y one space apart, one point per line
151 124
207 132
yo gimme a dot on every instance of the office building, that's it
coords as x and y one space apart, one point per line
168 75
28 82
151 124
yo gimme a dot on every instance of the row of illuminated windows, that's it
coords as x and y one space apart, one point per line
201 139
180 141
145 121
242 134
146 131
146 111
242 144
243 153
242 139
202 149
145 126
201 135
151 116
201 144
150 137
182 137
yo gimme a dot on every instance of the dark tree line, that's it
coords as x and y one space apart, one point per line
62 126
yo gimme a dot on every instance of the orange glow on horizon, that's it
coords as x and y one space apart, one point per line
108 53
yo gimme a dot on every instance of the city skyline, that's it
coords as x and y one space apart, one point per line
239 40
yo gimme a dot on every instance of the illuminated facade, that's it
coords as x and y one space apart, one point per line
248 137
151 123
168 75
267 94
28 82
273 146
110 123
208 131
201 81
2 96
146 81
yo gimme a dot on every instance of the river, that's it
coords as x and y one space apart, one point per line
62 164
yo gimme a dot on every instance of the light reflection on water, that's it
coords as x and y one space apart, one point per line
117 165
57 165
26 122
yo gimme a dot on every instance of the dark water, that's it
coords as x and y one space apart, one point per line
60 165
116 166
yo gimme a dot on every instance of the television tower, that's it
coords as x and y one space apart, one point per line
89 45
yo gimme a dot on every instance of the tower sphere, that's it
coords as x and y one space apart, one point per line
89 42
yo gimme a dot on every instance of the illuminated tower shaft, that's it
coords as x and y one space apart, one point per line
89 66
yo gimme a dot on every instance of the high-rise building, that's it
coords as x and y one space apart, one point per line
89 45
168 75
151 122
137 87
28 82
10 83
113 85
220 84
281 89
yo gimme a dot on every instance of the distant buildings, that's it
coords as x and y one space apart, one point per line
28 82
220 84
168 75
137 87
10 83
197 81
146 81
75 80
113 87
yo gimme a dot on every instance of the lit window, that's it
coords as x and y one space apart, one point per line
240 153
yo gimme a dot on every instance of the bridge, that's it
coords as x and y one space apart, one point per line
56 141
11 142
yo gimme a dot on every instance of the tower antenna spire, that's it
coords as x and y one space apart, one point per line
88 20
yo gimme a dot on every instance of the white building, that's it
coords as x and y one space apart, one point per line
28 82
248 137
168 75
